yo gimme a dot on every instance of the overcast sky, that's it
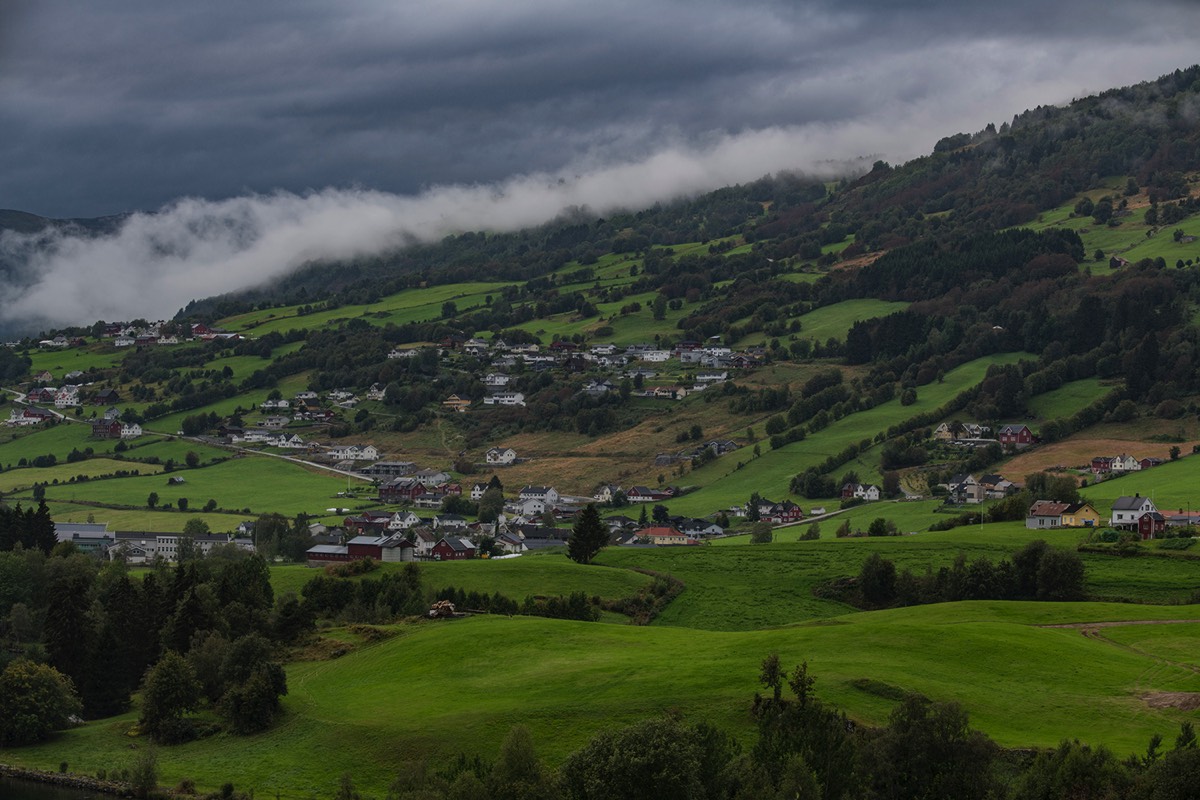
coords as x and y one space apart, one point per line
354 121
127 104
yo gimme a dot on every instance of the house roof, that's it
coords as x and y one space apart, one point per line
331 549
1126 503
1047 508
660 531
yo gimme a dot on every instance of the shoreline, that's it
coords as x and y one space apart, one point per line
68 780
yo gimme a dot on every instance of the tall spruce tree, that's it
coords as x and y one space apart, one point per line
588 537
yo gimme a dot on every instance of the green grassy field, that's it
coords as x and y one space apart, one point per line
1023 685
412 305
144 519
1172 485
834 321
724 485
60 362
19 479
1069 398
260 483
739 586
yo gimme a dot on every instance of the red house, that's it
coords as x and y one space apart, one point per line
453 548
106 429
1151 524
401 490
787 511
1015 436
643 494
365 547
367 522
1101 465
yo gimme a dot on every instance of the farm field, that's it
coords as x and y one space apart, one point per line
144 519
1069 398
1078 452
259 483
1071 686
834 321
21 479
411 305
770 474
1171 485
742 586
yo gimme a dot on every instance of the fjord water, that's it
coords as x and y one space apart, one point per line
14 789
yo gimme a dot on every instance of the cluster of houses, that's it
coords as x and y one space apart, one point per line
406 536
124 334
1134 513
713 360
973 434
777 513
858 491
142 547
1105 465
964 489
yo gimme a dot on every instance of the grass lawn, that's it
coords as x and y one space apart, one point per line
1023 684
834 321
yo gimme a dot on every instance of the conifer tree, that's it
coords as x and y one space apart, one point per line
588 537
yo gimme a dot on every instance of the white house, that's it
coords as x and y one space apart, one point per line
67 396
505 399
530 508
130 430
1125 463
496 379
1127 511
477 491
403 520
501 455
605 493
547 494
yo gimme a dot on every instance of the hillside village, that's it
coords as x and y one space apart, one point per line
536 517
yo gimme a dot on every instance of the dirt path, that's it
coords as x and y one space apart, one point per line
1090 625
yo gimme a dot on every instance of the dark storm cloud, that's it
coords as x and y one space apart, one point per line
491 115
124 104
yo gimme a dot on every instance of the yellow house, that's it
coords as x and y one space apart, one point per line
1080 515
456 403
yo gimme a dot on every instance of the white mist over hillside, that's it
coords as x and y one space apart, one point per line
156 262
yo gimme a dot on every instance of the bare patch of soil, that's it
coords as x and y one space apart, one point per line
1185 701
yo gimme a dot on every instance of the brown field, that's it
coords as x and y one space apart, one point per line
1079 452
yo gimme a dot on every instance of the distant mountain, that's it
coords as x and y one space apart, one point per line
24 222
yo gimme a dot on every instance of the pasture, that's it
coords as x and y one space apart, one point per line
260 483
1069 398
568 680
